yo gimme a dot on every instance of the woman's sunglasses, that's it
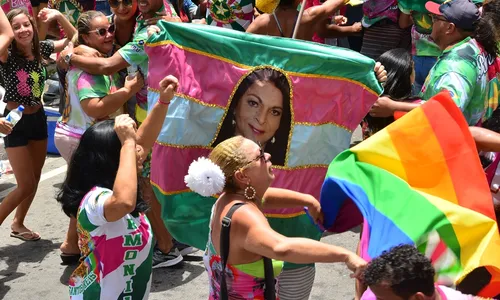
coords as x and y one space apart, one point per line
102 31
438 18
261 156
116 3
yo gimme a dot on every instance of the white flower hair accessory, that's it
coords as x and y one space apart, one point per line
205 178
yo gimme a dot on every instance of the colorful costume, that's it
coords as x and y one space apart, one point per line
118 255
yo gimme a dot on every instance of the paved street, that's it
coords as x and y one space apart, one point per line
32 270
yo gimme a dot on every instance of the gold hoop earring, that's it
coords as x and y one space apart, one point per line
250 190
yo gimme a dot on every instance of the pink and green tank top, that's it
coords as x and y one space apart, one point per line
244 281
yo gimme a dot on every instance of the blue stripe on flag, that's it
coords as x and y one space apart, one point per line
188 123
384 234
312 145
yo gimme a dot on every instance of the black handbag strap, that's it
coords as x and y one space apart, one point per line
269 292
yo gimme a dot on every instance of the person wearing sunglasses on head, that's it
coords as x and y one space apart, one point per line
244 254
90 98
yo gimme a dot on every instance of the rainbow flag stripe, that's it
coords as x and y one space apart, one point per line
331 91
419 181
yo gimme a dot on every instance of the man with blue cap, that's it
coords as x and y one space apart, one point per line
468 53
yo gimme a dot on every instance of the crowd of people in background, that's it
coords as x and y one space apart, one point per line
107 131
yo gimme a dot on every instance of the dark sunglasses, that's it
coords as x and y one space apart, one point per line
261 156
116 3
438 18
103 31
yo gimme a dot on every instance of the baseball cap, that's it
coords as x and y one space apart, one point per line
463 13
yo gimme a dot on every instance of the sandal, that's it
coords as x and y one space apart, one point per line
34 236
70 259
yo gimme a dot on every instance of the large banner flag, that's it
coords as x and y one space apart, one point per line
324 93
419 181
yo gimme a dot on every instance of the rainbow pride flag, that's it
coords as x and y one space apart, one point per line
419 181
331 90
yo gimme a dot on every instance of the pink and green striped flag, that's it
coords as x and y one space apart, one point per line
330 91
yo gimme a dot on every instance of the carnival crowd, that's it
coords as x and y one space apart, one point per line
106 133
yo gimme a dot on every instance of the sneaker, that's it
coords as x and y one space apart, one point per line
162 260
184 249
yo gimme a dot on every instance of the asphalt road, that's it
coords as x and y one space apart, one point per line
32 270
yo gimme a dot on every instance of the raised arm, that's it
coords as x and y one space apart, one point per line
321 12
124 197
6 36
150 129
48 15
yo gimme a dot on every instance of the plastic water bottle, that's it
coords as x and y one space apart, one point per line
14 116
132 71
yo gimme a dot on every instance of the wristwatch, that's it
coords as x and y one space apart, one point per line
67 58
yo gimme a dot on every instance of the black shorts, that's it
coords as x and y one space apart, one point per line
31 127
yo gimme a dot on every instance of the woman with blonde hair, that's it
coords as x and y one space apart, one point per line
241 242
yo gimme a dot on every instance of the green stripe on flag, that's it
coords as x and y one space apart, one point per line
187 218
256 50
394 198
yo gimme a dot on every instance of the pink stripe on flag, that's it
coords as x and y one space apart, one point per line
336 99
169 173
194 70
307 181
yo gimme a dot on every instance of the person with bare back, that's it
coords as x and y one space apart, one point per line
315 20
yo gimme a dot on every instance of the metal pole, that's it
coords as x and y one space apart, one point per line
297 24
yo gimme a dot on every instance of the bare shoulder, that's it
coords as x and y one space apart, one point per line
260 24
248 217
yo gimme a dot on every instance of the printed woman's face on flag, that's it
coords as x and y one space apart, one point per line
260 110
